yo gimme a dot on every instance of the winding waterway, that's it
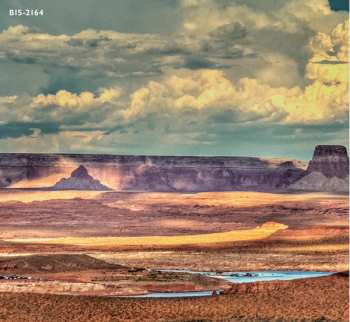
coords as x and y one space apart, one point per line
235 277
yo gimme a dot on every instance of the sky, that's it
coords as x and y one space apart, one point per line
174 77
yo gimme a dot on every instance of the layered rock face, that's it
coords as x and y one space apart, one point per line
316 181
152 173
327 171
79 180
330 160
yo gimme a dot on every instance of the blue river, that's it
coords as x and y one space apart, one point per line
234 277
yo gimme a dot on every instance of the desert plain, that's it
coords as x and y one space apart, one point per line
89 248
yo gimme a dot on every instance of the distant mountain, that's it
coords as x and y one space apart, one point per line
327 171
152 173
79 180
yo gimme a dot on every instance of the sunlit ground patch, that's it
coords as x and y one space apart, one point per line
257 233
42 195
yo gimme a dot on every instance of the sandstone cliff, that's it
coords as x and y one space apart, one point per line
327 171
330 160
152 173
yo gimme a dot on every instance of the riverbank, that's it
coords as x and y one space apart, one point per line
323 299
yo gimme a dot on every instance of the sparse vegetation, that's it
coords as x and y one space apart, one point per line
321 299
207 237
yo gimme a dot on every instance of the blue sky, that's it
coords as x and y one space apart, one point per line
174 77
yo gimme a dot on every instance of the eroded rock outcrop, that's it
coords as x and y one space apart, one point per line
80 180
330 160
328 171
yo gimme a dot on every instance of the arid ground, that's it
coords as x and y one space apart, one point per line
321 299
129 236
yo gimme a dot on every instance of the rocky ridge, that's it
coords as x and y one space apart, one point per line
153 173
327 171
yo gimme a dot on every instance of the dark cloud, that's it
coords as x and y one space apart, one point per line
265 42
20 78
71 79
90 43
17 58
66 16
20 129
195 62
255 139
231 31
339 5
265 5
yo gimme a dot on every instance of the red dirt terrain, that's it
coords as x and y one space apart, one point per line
85 275
318 299
75 287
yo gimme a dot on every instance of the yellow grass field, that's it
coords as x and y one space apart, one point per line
261 232
42 195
